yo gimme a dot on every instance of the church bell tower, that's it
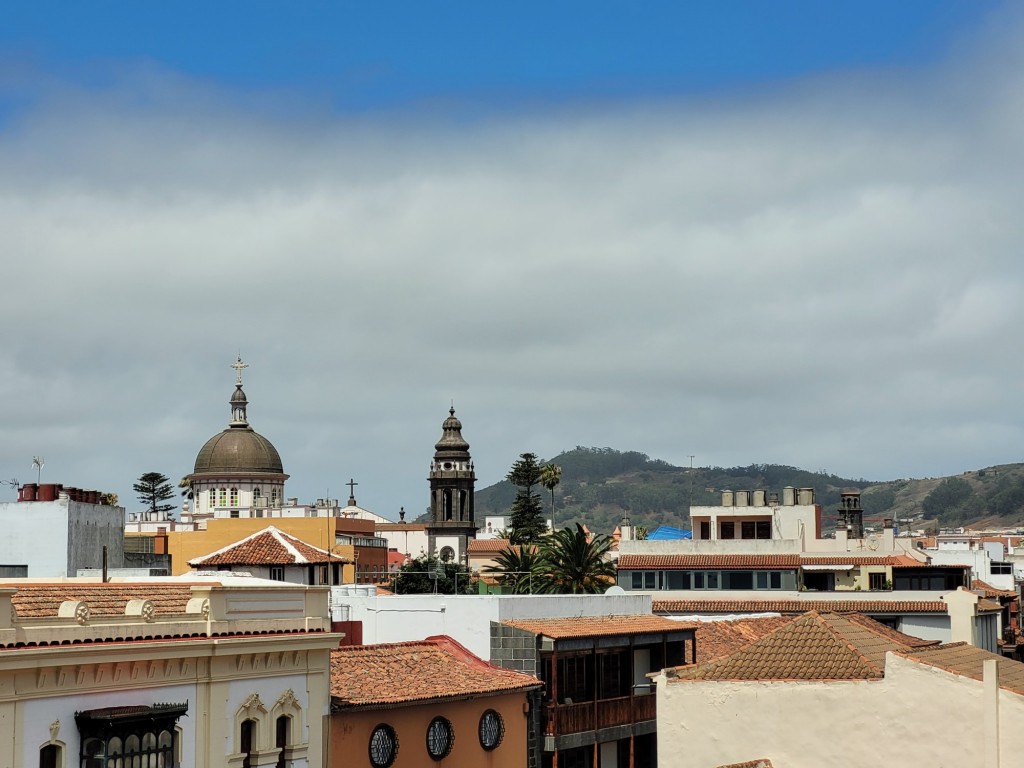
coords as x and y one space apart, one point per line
452 480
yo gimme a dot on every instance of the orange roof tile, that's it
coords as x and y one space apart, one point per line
795 606
716 639
270 546
755 561
967 660
814 646
593 626
43 600
390 674
490 546
988 590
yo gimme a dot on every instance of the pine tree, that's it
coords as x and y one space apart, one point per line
154 488
527 513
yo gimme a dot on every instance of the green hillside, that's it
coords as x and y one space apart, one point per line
601 485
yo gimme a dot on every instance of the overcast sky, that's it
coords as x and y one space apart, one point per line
790 238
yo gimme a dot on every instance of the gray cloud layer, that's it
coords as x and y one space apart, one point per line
824 275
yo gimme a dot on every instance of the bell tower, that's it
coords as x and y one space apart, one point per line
452 481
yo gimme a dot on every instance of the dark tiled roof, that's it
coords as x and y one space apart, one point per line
967 661
437 668
814 646
716 639
593 626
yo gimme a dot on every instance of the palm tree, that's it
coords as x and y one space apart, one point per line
551 476
572 562
515 568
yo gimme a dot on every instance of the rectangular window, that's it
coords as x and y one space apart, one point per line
775 579
698 579
747 529
277 573
738 580
727 530
678 579
761 579
234 497
1004 569
650 579
712 580
234 513
876 581
638 579
222 497
764 529
705 530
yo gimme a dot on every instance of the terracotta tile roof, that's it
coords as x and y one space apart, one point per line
795 606
670 562
43 600
270 546
716 639
989 605
966 660
593 626
753 561
987 590
814 646
438 668
489 546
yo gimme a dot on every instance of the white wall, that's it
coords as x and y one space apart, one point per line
467 618
917 715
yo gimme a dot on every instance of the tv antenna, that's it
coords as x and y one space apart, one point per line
37 464
13 482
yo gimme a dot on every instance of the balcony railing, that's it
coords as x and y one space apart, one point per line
563 719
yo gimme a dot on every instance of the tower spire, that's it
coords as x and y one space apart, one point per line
238 400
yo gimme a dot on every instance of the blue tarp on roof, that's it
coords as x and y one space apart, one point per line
668 533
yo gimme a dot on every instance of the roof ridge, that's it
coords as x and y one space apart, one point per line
232 545
843 640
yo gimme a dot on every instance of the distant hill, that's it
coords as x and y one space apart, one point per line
601 485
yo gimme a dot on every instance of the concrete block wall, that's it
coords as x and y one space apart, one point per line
515 649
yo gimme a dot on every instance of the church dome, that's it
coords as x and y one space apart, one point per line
238 451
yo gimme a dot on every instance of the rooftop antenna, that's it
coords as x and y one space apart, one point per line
37 465
13 482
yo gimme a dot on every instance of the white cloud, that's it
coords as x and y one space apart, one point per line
823 275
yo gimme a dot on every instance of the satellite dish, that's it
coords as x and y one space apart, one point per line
615 590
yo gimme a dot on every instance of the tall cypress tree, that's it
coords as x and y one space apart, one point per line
527 512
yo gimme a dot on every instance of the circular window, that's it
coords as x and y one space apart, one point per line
383 746
492 729
439 738
447 465
447 554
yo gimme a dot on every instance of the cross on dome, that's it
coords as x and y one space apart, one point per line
239 366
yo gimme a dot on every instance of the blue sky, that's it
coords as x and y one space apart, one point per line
365 55
780 232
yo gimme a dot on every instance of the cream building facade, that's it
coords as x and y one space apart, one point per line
206 673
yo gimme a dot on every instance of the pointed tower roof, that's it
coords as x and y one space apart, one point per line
452 445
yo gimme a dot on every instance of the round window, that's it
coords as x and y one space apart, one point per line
492 729
383 746
439 738
447 465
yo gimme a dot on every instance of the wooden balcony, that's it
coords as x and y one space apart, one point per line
564 719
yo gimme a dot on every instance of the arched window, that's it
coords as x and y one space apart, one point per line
283 726
247 741
51 756
222 497
234 497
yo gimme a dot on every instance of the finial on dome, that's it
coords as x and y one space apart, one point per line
238 365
